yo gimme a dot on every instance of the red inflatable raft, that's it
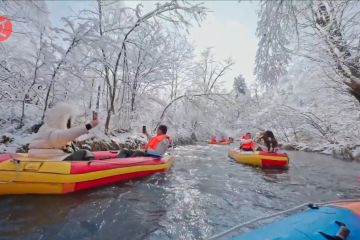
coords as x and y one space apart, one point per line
20 174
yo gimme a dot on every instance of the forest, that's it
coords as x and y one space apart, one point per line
137 66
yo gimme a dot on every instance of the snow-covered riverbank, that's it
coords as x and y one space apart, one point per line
17 141
350 152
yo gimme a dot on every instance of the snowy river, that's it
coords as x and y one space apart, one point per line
204 193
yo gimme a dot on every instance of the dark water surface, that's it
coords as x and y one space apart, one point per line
204 193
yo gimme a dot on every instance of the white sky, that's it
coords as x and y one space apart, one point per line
229 29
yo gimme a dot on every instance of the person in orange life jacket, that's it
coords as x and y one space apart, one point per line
246 143
157 145
213 140
223 139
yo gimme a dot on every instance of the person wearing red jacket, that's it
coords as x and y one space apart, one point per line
213 140
223 140
246 143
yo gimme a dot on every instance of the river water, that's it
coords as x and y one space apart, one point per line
204 193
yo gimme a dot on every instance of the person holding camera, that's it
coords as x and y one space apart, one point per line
156 146
54 139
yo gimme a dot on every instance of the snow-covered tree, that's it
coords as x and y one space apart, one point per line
138 41
23 59
240 86
209 72
273 52
324 31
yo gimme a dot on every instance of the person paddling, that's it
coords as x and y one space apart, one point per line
156 146
213 140
54 139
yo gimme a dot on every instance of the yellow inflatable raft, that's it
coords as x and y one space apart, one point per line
21 175
261 159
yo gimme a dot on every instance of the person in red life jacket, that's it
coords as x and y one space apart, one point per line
157 145
213 140
246 143
223 139
231 140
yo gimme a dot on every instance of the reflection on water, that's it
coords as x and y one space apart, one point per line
204 193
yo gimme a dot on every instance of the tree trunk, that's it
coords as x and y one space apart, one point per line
98 98
91 93
107 122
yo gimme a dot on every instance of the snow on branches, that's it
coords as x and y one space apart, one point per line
324 31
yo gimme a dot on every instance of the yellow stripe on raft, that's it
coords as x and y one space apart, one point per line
59 167
38 188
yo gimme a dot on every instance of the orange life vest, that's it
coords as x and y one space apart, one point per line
249 145
155 141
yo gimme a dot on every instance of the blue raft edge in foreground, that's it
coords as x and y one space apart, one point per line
307 225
